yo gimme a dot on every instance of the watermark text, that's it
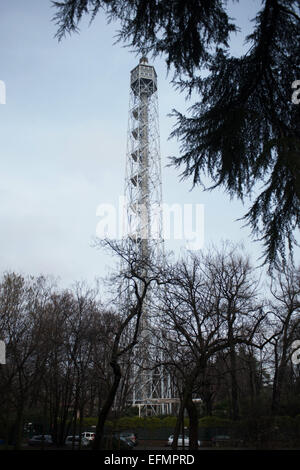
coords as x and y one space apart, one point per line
2 92
170 222
2 353
296 94
296 352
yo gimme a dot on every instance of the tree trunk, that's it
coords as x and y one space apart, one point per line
193 423
19 427
180 417
81 408
207 397
235 412
107 406
277 389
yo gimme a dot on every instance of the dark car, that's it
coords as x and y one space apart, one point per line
74 441
41 440
126 443
117 442
131 436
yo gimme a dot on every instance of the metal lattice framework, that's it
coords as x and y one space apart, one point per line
143 224
143 187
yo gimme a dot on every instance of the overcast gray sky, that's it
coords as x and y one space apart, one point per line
63 135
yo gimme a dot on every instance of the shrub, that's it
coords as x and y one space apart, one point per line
89 421
214 422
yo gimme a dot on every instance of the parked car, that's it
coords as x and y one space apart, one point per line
43 439
180 441
117 442
131 436
90 436
126 443
76 440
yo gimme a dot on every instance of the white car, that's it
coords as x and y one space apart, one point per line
180 441
90 436
69 441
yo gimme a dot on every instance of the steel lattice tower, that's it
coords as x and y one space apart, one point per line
143 192
143 216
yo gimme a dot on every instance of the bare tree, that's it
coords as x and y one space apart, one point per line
208 305
236 286
21 303
285 308
136 275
